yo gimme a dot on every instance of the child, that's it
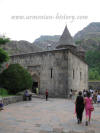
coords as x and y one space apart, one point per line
46 94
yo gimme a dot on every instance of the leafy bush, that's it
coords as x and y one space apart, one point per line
3 92
15 79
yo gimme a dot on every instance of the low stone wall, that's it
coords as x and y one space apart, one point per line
94 85
12 99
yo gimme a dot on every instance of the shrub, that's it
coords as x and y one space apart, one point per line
15 79
3 92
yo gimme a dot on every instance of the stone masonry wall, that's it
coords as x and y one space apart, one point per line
77 73
57 82
42 63
55 69
94 85
12 99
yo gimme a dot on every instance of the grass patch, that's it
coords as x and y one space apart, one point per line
4 93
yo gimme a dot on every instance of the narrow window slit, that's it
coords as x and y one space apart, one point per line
73 74
51 72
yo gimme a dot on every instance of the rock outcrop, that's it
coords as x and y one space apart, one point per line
20 47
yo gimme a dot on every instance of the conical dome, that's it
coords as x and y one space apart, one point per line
65 39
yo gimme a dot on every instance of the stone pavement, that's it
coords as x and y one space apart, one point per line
40 116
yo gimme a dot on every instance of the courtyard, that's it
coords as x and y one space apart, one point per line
40 116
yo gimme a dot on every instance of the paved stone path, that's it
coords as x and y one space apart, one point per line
40 116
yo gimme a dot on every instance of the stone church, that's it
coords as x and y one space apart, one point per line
58 70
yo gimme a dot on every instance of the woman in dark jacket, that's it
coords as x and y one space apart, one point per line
79 107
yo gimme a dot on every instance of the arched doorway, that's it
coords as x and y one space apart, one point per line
36 82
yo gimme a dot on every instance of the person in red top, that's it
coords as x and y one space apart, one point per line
46 94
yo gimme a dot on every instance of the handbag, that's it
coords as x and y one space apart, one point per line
91 108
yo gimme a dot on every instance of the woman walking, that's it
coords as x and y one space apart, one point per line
79 107
88 107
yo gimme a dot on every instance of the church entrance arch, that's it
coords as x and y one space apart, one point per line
36 82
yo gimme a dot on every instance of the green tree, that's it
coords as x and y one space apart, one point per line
94 74
78 42
4 40
15 79
93 60
3 56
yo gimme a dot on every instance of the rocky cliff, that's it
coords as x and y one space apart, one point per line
47 42
89 37
20 47
90 31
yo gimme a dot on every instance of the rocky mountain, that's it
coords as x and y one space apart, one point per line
90 31
47 42
20 47
89 37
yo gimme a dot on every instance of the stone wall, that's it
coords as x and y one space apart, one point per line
12 99
77 73
53 69
94 85
41 64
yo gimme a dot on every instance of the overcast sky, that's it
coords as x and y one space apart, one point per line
28 19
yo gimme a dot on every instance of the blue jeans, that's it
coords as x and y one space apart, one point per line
1 105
